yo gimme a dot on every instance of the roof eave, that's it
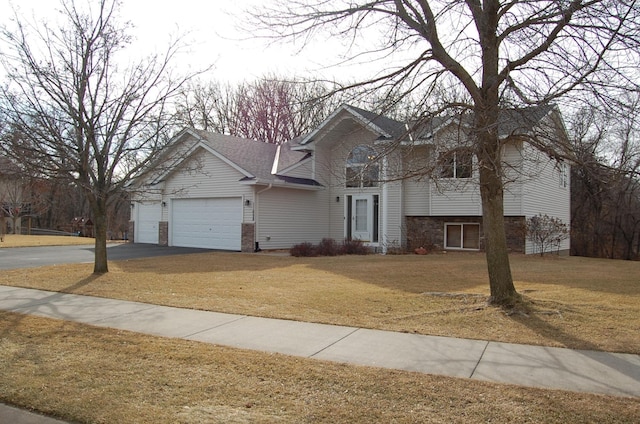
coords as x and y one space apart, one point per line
279 183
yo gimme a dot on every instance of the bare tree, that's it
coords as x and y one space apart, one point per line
270 109
606 182
208 106
13 195
79 109
491 54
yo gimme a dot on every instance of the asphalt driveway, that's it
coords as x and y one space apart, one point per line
31 257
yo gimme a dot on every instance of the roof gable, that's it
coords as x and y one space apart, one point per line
258 162
378 124
253 158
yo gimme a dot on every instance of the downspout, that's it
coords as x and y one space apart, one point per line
256 211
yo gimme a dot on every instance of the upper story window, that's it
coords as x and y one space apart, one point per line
362 169
563 170
456 164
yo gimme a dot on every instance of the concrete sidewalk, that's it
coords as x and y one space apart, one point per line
545 367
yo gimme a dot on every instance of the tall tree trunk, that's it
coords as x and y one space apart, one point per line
503 292
489 154
100 233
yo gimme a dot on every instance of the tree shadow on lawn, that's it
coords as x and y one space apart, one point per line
451 272
408 273
593 274
621 363
42 306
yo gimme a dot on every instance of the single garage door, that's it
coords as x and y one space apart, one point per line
207 223
146 227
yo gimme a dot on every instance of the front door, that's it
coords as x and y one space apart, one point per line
362 217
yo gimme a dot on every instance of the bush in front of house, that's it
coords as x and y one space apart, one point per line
354 247
329 247
305 249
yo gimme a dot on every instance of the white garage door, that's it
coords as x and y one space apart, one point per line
146 227
207 223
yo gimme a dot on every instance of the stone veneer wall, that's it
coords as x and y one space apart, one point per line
428 231
163 233
248 236
515 227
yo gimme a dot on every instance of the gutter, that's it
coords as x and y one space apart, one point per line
284 184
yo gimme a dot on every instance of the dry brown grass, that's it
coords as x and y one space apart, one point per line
96 375
16 240
574 302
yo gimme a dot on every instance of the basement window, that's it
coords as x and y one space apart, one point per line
462 236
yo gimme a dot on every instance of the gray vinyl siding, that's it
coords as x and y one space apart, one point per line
288 217
337 214
304 170
544 194
394 236
514 177
416 194
211 178
455 198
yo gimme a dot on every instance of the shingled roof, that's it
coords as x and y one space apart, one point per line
263 161
255 157
518 121
391 127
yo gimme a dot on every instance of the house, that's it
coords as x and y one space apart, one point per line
358 175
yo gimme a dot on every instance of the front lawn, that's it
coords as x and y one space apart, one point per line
574 302
96 375
17 240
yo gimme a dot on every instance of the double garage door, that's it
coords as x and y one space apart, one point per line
207 223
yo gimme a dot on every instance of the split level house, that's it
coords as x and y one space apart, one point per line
358 175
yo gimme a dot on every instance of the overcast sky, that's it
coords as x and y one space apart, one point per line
212 29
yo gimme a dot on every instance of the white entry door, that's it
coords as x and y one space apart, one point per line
362 217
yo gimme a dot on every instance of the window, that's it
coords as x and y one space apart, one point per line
462 236
563 170
456 164
362 170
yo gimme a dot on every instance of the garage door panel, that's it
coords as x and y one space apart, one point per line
208 223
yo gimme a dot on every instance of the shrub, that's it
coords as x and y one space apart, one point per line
328 247
305 249
546 233
354 247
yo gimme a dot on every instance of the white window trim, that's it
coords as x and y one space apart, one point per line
461 224
563 170
360 168
454 166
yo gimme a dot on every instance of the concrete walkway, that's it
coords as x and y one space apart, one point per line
535 366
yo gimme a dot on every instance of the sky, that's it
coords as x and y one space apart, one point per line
211 29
